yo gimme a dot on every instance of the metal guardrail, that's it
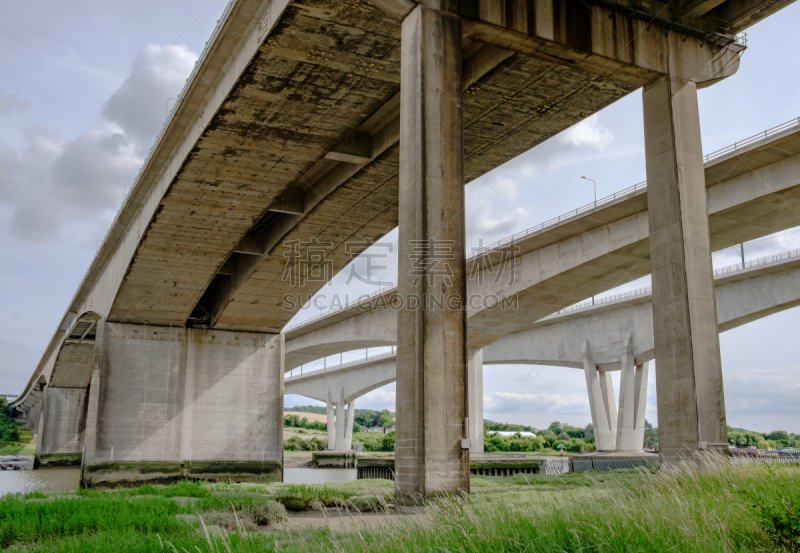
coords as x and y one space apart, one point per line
767 260
647 290
378 357
752 139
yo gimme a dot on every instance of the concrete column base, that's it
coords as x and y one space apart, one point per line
102 475
63 422
167 404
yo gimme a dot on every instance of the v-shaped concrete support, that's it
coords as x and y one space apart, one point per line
602 402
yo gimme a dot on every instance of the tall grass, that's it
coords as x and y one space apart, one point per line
712 509
716 508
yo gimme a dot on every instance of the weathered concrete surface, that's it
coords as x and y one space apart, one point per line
60 437
288 130
431 398
691 398
167 402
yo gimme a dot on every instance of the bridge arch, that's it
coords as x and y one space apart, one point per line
73 365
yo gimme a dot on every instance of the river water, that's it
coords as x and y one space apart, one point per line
26 481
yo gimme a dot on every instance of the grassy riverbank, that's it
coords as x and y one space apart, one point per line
719 509
25 446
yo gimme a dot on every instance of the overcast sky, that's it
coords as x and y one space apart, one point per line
85 87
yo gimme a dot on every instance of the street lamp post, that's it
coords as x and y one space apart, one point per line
595 190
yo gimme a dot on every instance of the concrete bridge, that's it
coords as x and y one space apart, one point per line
309 128
610 334
753 191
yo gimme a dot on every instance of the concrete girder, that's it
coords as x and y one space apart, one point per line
604 43
741 208
743 296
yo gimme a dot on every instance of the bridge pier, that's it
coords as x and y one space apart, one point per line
61 432
691 404
475 390
169 403
602 403
431 338
632 401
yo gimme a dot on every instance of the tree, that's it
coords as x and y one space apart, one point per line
777 435
386 418
564 437
650 435
588 432
388 442
555 427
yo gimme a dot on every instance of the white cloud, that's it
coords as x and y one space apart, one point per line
382 398
482 201
53 181
11 103
589 132
774 391
507 402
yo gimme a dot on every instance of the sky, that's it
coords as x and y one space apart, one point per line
85 87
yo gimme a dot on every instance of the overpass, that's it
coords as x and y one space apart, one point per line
610 334
296 141
753 191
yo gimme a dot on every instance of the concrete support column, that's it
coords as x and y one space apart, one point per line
341 418
431 352
691 403
348 431
61 433
475 391
602 403
632 402
331 422
169 403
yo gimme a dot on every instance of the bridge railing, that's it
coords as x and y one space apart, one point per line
368 359
647 290
767 260
752 139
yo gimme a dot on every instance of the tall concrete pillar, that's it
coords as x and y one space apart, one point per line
169 403
341 419
431 348
691 403
602 403
348 431
632 402
475 391
331 422
61 432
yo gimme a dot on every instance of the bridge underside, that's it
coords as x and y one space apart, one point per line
306 145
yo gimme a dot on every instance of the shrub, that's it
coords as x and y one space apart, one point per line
364 503
780 513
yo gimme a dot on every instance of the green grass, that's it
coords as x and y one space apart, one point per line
25 446
717 509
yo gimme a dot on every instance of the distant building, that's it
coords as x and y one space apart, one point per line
507 434
373 429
